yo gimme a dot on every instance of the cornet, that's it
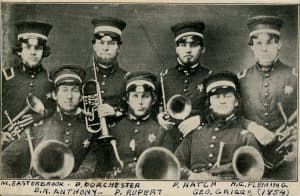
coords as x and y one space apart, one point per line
94 122
33 104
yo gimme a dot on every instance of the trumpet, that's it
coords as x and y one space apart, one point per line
275 152
178 107
157 163
33 104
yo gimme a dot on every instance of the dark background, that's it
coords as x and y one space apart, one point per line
148 40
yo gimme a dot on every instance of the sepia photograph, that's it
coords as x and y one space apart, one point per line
149 98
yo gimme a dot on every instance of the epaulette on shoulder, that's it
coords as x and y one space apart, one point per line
8 73
294 72
242 74
245 131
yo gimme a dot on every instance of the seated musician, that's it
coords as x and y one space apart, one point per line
199 150
65 125
137 131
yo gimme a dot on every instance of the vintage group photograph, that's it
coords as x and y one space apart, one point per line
149 91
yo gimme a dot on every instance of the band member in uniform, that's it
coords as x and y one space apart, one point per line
269 81
137 131
186 77
199 150
66 125
28 77
106 45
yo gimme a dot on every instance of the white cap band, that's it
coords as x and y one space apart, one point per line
188 33
140 83
31 35
220 83
272 31
107 28
67 75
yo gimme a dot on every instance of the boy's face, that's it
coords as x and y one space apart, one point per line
106 50
68 98
139 103
189 51
265 49
223 103
31 53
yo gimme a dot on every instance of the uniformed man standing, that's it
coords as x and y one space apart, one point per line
270 81
65 125
106 45
186 77
137 131
29 77
200 150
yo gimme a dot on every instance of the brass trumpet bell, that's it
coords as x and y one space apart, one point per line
32 103
52 159
158 163
248 164
179 107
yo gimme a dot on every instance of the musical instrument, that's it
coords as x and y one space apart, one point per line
32 104
247 164
52 159
275 152
94 122
178 107
160 163
157 163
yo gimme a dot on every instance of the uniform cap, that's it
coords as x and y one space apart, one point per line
221 81
140 79
67 74
266 24
33 29
187 29
108 25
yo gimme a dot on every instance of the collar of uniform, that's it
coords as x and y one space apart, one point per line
68 117
183 69
106 71
221 122
270 68
134 118
30 71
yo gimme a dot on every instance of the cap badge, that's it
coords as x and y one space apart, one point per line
151 137
288 90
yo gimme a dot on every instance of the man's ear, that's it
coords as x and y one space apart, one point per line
203 50
53 95
279 44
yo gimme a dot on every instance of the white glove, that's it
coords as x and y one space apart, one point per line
106 110
262 134
189 124
164 123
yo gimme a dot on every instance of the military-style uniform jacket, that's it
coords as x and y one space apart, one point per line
199 150
187 82
112 85
262 90
17 83
133 137
68 129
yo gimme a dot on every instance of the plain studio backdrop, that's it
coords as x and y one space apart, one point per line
148 43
